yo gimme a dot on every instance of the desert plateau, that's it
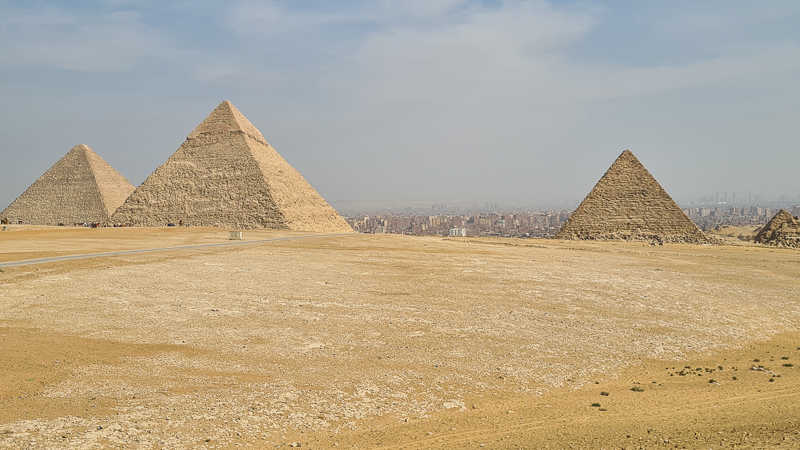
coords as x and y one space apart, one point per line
391 341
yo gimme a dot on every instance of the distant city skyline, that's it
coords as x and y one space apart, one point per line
445 206
519 102
528 224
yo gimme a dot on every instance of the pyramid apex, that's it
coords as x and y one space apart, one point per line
625 160
223 119
86 153
81 148
783 216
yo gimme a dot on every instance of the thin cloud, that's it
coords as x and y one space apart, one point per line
421 8
267 19
407 98
521 53
115 41
233 75
740 65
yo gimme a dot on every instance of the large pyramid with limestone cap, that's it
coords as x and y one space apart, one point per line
783 230
628 203
226 175
80 187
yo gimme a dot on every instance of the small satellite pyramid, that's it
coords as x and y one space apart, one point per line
628 203
783 230
226 175
80 187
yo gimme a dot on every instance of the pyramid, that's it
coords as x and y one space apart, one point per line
628 203
783 230
226 175
80 187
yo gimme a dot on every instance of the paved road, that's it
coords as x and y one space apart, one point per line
27 262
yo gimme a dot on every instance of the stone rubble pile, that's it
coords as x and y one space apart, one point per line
783 230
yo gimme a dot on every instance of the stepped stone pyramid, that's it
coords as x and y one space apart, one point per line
80 187
783 230
226 175
628 203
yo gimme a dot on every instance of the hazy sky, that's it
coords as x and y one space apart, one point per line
510 101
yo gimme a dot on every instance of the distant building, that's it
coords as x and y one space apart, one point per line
456 231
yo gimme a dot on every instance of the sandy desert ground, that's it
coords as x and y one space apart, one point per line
395 342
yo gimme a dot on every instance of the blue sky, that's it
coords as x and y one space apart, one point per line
520 102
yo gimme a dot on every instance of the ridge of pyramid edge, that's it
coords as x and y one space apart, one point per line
113 187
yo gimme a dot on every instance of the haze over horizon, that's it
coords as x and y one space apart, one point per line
519 102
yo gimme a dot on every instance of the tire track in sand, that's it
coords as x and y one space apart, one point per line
489 434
